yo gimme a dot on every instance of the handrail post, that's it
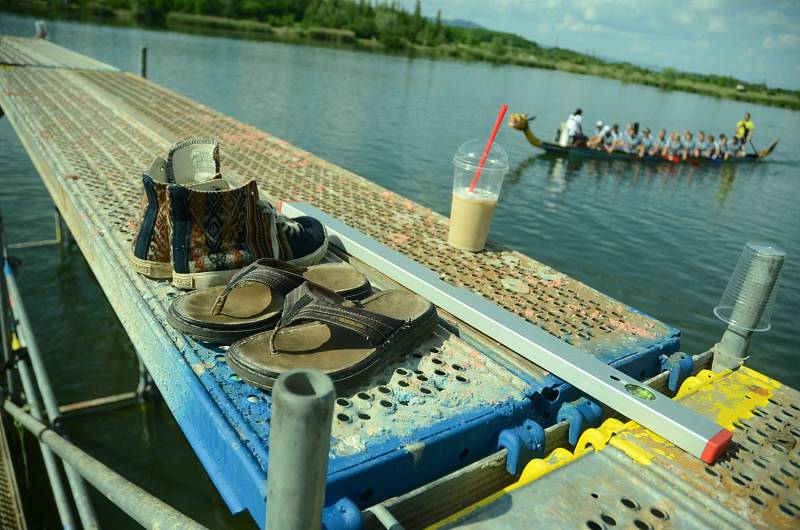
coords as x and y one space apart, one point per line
299 438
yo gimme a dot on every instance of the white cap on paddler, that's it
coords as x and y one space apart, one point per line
599 124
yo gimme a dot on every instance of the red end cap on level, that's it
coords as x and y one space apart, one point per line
717 445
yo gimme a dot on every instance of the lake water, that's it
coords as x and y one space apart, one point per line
662 239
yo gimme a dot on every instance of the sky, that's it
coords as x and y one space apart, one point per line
748 39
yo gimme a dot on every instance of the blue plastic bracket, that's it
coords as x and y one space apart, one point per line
679 365
581 414
522 444
343 515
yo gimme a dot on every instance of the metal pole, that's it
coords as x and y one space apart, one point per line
5 323
143 61
58 225
754 296
299 438
147 510
26 337
51 465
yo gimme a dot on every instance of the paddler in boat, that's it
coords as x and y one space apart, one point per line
700 146
646 143
672 145
611 138
659 143
575 129
600 131
744 130
687 144
711 145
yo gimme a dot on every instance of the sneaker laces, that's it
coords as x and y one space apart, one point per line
288 226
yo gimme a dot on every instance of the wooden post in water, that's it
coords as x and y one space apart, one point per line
143 61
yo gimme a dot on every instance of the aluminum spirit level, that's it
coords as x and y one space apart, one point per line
685 428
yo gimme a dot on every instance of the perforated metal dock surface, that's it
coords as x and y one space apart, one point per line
91 130
623 476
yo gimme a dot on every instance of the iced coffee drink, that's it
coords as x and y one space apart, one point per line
475 193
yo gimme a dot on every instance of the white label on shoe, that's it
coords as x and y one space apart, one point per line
203 164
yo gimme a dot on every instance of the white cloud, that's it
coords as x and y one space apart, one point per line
717 24
704 5
781 42
683 17
570 23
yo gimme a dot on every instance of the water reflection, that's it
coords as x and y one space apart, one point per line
560 170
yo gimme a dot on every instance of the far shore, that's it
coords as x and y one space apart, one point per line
666 79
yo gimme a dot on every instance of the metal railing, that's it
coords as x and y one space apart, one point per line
23 358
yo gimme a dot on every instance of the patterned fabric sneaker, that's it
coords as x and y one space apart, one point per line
194 163
216 233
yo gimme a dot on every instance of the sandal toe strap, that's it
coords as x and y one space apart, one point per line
264 271
312 303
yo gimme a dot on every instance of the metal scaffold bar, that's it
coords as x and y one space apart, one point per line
27 339
147 510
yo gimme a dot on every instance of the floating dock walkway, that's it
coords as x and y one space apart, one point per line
457 417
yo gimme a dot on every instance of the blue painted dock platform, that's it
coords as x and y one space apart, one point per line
459 397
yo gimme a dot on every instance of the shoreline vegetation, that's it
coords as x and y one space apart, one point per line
388 28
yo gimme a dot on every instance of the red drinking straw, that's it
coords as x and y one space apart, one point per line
485 155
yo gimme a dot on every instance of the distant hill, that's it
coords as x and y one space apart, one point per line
460 23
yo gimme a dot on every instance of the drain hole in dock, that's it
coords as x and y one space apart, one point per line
387 404
422 378
437 361
594 495
629 503
593 525
364 396
439 372
614 377
363 416
384 390
768 491
401 371
343 402
462 379
403 383
608 520
658 514
434 350
642 525
458 367
756 500
712 472
343 417
425 390
787 510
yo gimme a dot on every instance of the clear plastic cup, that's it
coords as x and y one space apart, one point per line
471 210
750 295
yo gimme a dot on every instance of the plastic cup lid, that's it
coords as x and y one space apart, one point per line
469 154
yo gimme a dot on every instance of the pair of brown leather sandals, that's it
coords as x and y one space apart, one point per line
279 317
